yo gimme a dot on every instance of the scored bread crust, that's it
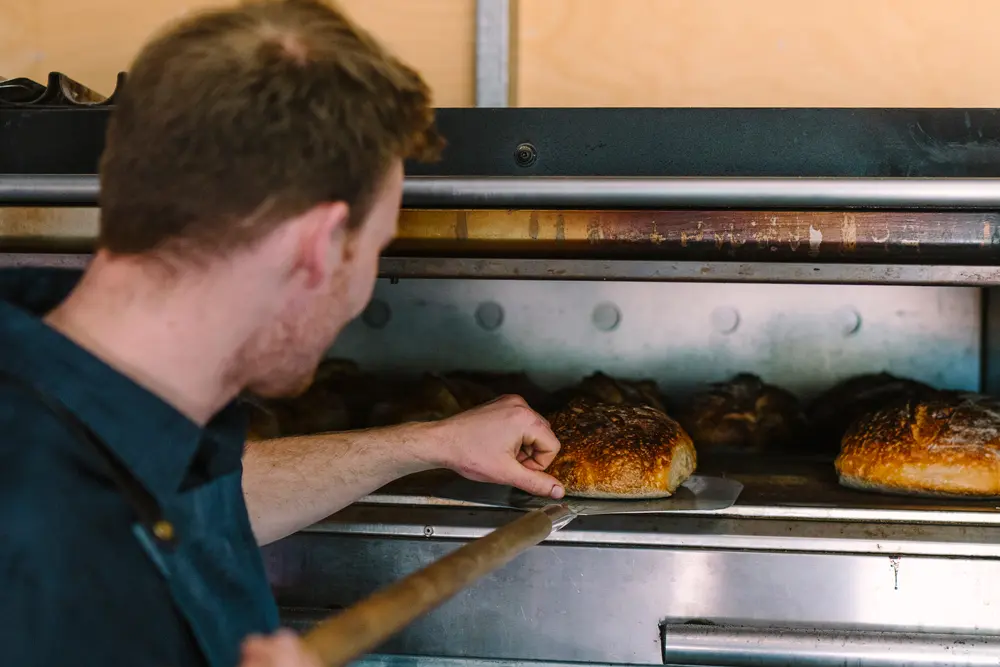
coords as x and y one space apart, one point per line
742 415
946 445
833 412
620 451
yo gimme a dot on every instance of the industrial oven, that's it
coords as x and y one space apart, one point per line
682 245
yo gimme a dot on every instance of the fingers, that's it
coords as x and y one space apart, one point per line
540 443
535 482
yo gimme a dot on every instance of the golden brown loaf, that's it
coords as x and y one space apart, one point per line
620 451
834 411
743 414
946 445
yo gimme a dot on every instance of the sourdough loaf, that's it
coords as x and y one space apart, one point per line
944 445
743 414
834 411
603 388
620 451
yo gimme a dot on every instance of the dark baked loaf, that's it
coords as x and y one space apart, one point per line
833 412
262 423
743 414
319 409
613 391
945 445
434 397
620 451
518 384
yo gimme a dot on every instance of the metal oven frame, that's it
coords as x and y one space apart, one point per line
832 196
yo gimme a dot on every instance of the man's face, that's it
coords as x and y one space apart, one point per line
286 356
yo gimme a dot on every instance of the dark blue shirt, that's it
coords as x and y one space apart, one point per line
79 583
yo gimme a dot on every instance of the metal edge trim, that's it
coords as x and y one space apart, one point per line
678 541
687 271
492 53
734 646
628 192
939 517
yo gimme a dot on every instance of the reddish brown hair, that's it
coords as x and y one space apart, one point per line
237 119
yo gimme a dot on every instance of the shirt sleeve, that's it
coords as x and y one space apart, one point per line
37 290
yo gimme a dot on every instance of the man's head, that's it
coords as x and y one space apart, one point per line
276 131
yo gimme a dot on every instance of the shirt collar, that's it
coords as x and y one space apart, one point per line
152 438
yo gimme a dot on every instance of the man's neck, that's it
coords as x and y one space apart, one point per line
177 336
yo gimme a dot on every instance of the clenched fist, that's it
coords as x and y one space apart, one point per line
503 442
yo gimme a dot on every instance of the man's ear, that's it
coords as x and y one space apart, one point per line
322 239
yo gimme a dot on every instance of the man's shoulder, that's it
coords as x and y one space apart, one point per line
38 453
24 415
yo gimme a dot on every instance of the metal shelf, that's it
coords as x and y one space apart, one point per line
681 271
627 270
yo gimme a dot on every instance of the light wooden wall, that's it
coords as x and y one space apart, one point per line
921 53
605 52
92 40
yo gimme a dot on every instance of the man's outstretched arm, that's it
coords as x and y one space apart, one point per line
291 483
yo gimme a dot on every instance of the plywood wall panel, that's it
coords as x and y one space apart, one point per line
878 53
92 40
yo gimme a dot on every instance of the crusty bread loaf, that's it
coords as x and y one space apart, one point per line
945 445
615 391
743 414
834 411
518 384
319 408
620 451
262 423
432 398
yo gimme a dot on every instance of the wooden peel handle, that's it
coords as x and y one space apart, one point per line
364 626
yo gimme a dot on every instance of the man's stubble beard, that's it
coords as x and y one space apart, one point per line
283 362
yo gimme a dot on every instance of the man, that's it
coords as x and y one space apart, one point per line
252 175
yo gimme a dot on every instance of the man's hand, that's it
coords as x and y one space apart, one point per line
291 483
282 649
504 442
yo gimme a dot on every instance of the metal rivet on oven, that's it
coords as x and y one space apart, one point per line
428 531
489 315
606 317
525 155
725 320
377 314
848 320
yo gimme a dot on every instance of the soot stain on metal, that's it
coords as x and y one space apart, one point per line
737 239
594 232
533 226
763 235
849 233
794 239
894 564
560 228
655 236
461 226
